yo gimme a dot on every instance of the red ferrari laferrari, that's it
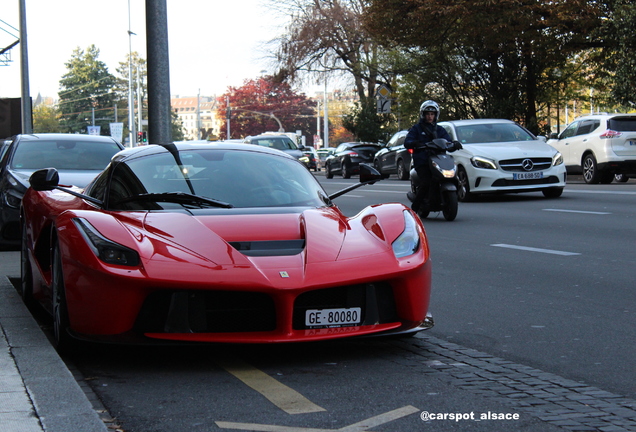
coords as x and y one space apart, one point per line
218 243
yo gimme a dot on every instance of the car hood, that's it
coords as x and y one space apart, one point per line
182 246
510 150
67 178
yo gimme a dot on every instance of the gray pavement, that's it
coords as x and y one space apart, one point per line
37 391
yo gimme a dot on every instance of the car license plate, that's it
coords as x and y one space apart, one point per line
332 317
632 143
527 176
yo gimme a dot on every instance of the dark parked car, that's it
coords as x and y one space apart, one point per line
313 162
393 158
78 159
347 157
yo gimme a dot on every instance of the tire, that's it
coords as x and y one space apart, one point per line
402 172
62 340
620 178
463 191
346 169
450 211
590 170
552 192
376 165
26 276
328 172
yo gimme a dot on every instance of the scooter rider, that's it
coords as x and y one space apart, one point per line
426 130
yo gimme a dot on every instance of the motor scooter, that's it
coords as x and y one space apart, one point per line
444 184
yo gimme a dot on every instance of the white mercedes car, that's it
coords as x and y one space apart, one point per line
500 156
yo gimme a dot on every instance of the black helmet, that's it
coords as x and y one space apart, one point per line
429 106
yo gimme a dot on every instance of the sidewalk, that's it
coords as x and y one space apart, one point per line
37 391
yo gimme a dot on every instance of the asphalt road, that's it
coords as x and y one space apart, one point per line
544 282
533 301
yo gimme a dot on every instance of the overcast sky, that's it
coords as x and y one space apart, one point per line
213 43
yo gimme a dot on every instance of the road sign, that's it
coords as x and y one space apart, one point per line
384 106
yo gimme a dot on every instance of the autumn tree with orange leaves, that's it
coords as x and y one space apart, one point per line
264 104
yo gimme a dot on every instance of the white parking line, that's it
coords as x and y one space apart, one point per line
577 211
531 249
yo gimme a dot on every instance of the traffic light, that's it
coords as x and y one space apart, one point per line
142 137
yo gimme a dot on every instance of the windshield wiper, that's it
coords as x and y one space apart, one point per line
176 197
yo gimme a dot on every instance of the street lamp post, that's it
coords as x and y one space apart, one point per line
131 101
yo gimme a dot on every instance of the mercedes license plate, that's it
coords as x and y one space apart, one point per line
527 176
332 317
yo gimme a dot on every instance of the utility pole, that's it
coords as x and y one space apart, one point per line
228 116
27 120
159 109
132 135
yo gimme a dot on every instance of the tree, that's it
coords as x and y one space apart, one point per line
327 36
488 58
364 122
46 119
621 60
265 104
85 89
139 88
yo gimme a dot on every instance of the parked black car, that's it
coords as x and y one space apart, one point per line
78 159
393 158
347 157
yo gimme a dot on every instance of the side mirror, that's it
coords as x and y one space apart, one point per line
369 173
45 179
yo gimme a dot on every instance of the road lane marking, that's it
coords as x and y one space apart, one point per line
577 211
356 427
605 192
283 397
531 249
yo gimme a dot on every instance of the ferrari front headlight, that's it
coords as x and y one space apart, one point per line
106 250
409 241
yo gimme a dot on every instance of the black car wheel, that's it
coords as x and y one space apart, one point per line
26 280
590 170
328 172
463 192
552 192
346 169
376 164
402 172
62 340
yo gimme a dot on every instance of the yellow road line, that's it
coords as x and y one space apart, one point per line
283 397
356 427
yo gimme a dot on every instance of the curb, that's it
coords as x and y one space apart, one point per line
57 403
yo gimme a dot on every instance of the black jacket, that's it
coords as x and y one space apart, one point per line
421 133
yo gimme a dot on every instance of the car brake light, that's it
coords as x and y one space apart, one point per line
610 134
354 154
410 151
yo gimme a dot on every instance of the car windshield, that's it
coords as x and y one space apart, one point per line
75 155
492 133
229 178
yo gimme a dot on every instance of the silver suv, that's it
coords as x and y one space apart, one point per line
599 146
